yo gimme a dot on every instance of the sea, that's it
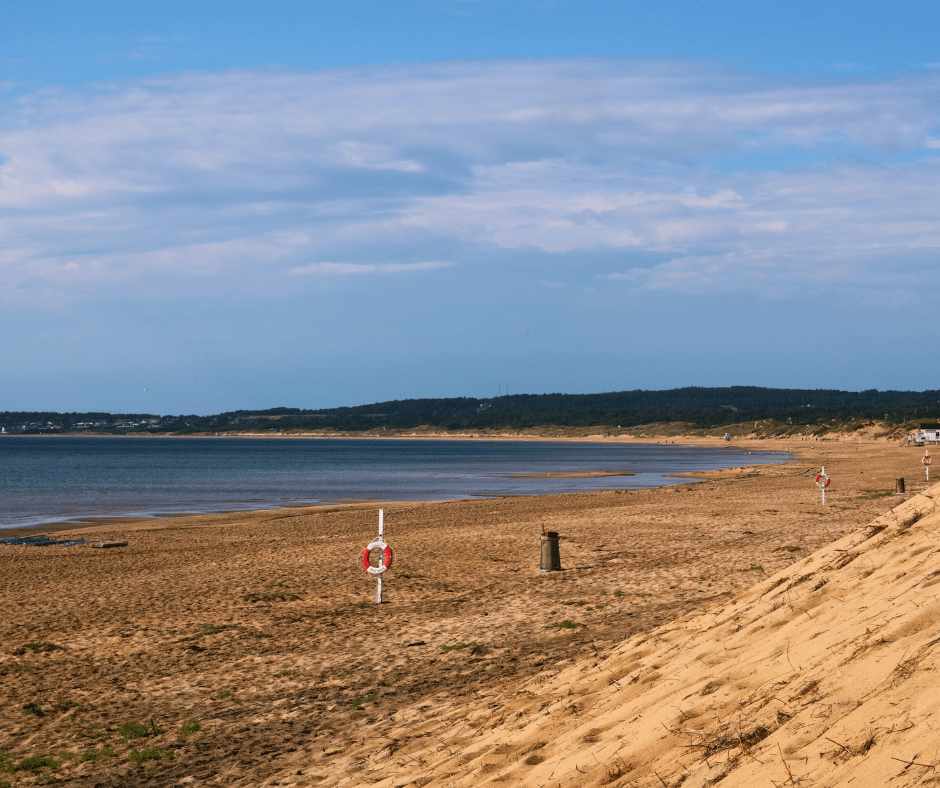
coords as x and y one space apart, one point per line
46 480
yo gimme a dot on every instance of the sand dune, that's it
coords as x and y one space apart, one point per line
247 651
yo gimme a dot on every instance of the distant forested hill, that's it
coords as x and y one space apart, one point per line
704 407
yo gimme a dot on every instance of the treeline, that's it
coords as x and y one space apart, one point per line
698 406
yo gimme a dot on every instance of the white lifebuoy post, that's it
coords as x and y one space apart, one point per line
822 482
385 557
382 566
926 462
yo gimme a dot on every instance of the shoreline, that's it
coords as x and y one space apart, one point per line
790 445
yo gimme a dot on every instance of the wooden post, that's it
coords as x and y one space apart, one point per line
550 558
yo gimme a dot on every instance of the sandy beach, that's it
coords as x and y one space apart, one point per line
732 628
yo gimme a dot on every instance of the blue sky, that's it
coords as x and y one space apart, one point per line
210 206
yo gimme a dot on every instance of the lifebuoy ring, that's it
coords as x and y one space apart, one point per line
376 570
926 459
822 476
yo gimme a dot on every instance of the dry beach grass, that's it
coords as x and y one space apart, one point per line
732 628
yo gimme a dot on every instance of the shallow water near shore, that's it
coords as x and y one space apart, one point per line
65 479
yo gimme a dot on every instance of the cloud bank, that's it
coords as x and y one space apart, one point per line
255 179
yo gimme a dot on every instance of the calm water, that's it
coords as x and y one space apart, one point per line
44 480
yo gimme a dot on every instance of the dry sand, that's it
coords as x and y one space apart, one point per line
733 628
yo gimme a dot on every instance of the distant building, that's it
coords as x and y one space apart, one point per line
927 432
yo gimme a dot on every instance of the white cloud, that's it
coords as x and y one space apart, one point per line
344 269
366 155
240 175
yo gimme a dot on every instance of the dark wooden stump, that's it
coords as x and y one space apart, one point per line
551 558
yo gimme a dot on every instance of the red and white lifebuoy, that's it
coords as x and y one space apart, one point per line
926 459
825 480
364 558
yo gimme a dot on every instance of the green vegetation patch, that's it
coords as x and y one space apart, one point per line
357 703
35 763
787 549
458 647
190 726
134 730
149 754
566 624
97 755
